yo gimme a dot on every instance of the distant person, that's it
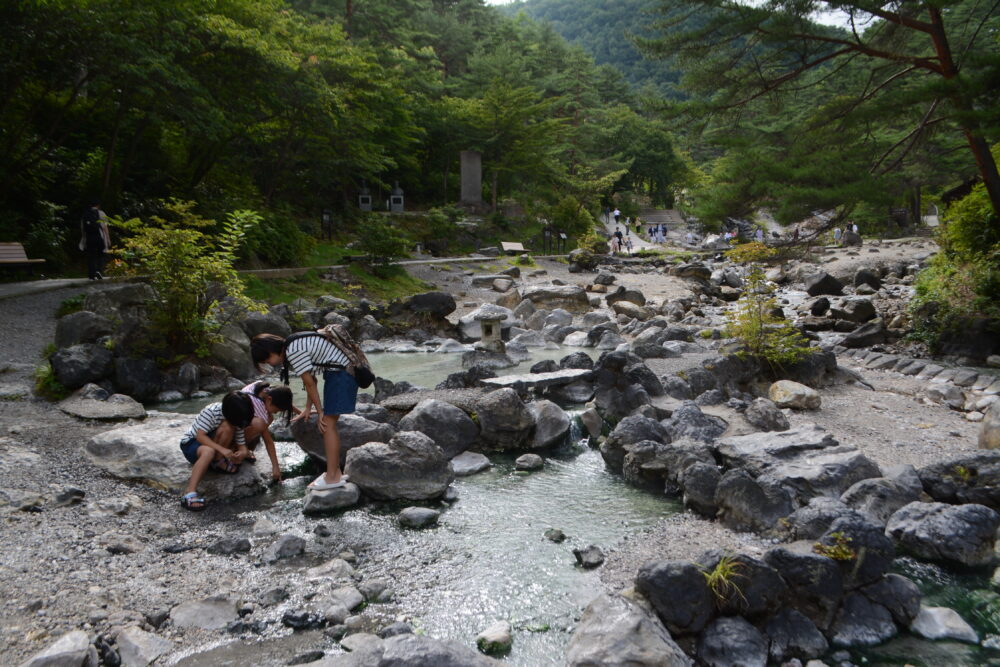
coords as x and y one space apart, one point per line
795 234
854 228
217 441
95 240
628 244
617 215
837 234
638 226
759 235
618 238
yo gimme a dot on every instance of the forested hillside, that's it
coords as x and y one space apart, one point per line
291 108
603 28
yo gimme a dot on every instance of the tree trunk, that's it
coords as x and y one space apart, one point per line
348 15
109 160
973 134
493 192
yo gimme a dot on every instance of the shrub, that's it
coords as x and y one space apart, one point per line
753 251
593 242
753 324
183 263
277 241
381 242
46 384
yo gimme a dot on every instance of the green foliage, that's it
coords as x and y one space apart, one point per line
569 215
46 384
71 305
762 334
183 256
593 242
524 260
381 242
721 579
753 251
962 282
277 241
841 548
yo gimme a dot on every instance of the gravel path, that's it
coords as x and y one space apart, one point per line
27 323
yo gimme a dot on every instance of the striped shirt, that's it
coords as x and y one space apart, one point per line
259 409
208 420
305 353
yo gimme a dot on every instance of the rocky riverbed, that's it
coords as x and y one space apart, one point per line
91 550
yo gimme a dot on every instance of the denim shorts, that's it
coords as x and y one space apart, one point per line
340 393
190 447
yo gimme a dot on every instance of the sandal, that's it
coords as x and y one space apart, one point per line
192 501
225 466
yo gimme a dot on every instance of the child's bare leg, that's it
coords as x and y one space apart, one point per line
255 429
331 447
205 457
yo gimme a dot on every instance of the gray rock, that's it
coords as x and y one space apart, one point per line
318 502
679 594
210 614
989 432
138 648
411 649
119 300
505 422
449 427
470 463
589 557
615 630
139 378
579 360
972 478
286 546
823 283
410 466
688 421
897 594
755 589
555 535
629 431
870 333
745 503
551 424
527 462
788 394
572 298
765 415
592 422
811 521
872 550
699 483
81 327
70 650
227 546
964 534
496 639
815 582
75 366
354 431
945 394
866 276
438 304
861 622
418 517
233 358
732 642
878 498
793 635
87 403
943 623
150 453
272 323
854 309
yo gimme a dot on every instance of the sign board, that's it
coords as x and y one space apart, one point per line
508 246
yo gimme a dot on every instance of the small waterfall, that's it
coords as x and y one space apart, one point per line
577 433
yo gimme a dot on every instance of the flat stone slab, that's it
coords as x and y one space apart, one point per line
537 380
464 399
469 463
116 407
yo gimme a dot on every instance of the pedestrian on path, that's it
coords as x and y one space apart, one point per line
95 240
617 214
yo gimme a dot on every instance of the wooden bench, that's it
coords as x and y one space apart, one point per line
12 254
509 247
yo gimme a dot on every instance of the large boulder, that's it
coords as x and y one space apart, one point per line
438 304
788 394
271 323
505 422
139 378
449 427
793 635
119 301
755 589
353 430
81 327
409 650
679 593
150 453
745 503
861 622
815 582
861 548
822 282
664 468
854 309
878 498
615 630
812 520
989 432
72 649
731 641
688 421
629 431
963 534
765 415
973 478
75 366
410 466
869 333
551 424
897 594
92 402
572 298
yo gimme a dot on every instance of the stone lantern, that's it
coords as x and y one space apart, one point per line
489 318
365 198
396 199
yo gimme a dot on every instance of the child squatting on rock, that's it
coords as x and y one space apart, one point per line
305 353
267 402
210 440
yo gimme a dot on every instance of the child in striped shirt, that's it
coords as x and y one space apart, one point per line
267 401
306 354
210 441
